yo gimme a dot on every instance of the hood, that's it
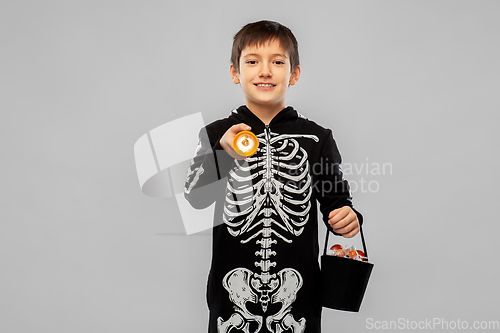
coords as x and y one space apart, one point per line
244 115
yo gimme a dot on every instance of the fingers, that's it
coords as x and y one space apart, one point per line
239 127
333 213
227 139
233 130
344 221
350 230
338 214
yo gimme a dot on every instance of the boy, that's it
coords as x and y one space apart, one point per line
264 275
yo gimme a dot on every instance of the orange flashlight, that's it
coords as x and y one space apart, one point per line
245 143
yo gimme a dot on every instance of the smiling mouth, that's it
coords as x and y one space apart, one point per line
265 85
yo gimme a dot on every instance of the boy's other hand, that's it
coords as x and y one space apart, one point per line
227 139
344 221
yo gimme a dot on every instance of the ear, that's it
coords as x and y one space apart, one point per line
234 74
295 76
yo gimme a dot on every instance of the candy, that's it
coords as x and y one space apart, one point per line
362 255
338 250
347 252
245 143
353 254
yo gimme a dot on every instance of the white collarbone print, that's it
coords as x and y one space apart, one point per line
267 201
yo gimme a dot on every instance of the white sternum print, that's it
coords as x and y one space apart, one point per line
268 198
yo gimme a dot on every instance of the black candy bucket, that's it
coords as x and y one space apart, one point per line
344 280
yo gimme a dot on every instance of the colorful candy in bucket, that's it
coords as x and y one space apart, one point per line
338 250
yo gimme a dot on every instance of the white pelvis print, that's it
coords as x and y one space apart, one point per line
267 199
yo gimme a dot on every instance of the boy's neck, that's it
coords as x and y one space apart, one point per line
265 113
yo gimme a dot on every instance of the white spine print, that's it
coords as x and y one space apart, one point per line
274 186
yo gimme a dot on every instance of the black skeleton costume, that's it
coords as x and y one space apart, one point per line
264 275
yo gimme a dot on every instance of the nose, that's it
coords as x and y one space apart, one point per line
265 71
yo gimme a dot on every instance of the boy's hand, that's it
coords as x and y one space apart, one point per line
227 139
344 221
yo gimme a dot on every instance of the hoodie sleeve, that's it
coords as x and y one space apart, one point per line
332 189
207 172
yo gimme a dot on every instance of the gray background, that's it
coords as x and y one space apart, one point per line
410 83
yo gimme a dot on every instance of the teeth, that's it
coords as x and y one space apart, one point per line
265 85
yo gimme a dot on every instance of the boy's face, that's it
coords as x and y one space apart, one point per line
264 76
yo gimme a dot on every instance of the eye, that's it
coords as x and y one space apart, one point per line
251 62
279 62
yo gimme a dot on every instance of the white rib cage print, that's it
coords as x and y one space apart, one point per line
275 182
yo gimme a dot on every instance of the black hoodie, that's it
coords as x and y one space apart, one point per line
265 270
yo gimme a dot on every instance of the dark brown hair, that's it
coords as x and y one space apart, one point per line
261 32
